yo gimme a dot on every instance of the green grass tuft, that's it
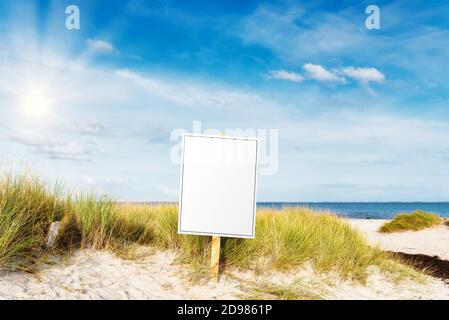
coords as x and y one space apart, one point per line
414 221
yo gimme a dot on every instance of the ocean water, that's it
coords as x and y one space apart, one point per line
366 210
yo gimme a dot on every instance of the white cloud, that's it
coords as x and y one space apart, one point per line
364 75
94 129
52 148
101 46
285 75
271 25
193 94
319 73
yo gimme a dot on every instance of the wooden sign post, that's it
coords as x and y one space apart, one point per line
215 258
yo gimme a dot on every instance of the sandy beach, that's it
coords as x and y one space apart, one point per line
431 242
91 274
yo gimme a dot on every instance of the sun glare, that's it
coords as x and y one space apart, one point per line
35 102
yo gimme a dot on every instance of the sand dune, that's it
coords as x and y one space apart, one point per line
90 274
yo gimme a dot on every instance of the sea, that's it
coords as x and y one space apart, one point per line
366 210
356 210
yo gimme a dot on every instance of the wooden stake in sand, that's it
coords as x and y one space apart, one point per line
215 258
52 234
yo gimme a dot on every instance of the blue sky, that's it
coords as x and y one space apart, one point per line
361 115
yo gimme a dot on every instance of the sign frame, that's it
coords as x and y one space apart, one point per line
254 202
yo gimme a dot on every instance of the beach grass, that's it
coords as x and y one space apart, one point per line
414 221
285 239
290 237
26 210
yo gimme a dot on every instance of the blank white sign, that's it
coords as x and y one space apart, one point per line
218 186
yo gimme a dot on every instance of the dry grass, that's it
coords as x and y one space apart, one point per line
414 221
285 239
290 237
26 210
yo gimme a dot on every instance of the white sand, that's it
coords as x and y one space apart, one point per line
90 274
432 241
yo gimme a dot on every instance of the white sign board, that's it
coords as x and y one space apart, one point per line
218 186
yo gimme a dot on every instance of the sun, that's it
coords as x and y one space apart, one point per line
35 102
